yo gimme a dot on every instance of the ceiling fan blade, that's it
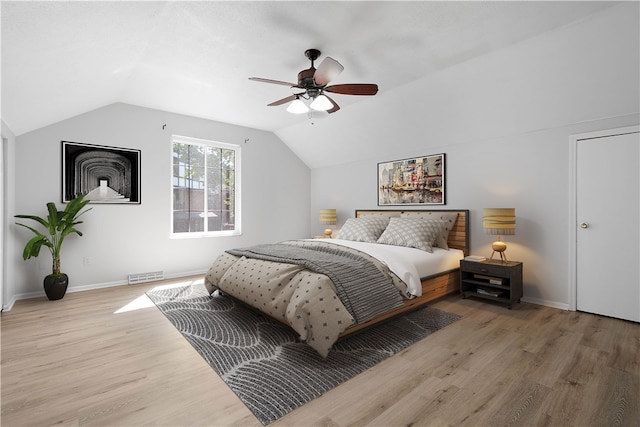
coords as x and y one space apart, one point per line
282 101
354 89
328 70
335 108
277 82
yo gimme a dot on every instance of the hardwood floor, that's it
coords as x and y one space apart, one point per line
93 358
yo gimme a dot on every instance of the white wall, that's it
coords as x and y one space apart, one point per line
504 122
125 239
577 73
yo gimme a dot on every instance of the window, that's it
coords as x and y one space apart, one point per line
206 188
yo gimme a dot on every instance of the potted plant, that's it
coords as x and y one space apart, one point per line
58 225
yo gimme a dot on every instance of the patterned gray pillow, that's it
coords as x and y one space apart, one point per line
411 232
366 229
449 219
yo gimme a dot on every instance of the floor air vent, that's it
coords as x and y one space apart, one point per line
145 277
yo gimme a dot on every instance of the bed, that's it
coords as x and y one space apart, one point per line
381 264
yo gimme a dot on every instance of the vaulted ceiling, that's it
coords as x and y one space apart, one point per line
61 59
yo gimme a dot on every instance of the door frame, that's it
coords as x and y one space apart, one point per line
573 201
3 235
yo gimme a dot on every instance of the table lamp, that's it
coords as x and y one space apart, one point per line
499 221
328 217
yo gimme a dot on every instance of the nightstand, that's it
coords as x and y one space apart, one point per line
492 279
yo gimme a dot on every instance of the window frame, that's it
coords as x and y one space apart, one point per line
179 139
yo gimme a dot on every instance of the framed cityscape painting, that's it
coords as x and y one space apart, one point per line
104 174
414 181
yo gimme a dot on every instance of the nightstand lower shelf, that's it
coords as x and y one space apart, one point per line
475 294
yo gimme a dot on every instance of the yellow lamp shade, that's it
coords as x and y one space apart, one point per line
328 216
499 221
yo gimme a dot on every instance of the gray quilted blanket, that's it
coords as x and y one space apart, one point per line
363 289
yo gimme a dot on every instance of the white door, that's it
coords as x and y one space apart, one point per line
608 217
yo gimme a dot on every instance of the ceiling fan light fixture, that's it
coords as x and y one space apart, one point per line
321 103
314 82
297 107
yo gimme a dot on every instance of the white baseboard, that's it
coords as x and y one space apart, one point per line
546 303
124 282
96 286
8 306
186 274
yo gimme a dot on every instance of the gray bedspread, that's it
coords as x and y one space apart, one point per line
363 289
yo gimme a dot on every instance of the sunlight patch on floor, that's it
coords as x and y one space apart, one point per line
141 302
144 302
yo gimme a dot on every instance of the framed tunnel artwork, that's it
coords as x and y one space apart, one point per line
105 174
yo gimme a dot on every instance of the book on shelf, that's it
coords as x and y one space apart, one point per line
476 258
488 292
492 280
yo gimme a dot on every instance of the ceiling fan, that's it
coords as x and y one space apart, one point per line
314 83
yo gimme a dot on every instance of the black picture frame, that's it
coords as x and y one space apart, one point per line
107 175
416 181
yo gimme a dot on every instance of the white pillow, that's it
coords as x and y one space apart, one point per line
411 232
365 229
449 219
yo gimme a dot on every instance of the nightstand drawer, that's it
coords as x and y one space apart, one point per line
487 267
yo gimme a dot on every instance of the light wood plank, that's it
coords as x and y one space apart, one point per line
78 362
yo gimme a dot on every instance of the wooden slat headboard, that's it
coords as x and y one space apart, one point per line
459 235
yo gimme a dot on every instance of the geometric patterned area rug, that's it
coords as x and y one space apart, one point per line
264 362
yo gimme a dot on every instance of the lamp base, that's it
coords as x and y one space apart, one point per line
500 247
327 233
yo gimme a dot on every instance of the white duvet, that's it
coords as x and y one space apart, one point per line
409 264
